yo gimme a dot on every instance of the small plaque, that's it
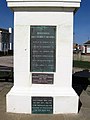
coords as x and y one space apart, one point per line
42 105
41 78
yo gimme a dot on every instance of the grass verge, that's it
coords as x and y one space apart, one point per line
81 64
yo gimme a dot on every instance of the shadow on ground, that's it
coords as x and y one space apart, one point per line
80 82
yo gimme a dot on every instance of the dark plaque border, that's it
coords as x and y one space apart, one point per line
42 48
42 105
42 78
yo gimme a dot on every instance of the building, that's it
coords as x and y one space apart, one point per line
87 47
6 40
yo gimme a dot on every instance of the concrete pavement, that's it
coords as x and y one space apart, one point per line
6 61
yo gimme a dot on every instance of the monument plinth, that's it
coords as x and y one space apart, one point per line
43 42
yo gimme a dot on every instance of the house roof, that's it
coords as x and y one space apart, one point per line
4 30
86 43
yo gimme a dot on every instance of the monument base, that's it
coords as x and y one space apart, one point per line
19 100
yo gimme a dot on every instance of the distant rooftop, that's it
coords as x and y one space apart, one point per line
88 42
4 30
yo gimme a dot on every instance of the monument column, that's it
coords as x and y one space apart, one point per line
43 42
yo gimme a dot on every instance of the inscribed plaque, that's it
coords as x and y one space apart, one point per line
42 48
42 105
42 78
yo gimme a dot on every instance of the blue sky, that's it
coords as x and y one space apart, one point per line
81 20
6 15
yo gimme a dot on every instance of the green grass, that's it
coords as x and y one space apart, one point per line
81 64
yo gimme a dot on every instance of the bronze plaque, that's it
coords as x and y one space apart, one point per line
42 78
43 48
42 105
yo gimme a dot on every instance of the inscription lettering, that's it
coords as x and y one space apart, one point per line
43 48
39 78
42 105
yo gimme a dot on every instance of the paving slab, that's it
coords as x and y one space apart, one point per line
6 61
86 113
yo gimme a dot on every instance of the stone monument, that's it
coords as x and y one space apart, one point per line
43 42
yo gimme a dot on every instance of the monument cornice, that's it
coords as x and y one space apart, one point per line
47 0
23 4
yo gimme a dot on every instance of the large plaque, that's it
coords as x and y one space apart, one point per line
43 48
42 105
42 78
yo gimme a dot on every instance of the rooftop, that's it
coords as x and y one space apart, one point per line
88 42
4 30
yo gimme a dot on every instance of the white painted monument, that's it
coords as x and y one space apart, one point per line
43 42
